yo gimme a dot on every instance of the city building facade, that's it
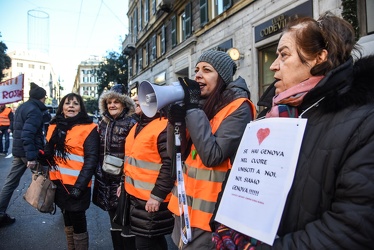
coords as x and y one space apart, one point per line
86 81
37 68
166 37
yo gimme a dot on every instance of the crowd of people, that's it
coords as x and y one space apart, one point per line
176 164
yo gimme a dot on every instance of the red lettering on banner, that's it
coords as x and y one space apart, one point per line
12 94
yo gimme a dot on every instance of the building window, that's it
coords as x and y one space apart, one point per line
184 24
146 12
209 9
174 40
370 16
145 54
220 6
153 48
130 67
267 56
141 16
181 27
20 65
140 55
204 18
187 21
161 42
135 22
31 66
154 7
42 67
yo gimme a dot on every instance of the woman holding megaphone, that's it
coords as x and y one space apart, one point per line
215 113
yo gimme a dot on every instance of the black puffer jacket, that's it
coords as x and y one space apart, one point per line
162 222
331 202
28 135
115 131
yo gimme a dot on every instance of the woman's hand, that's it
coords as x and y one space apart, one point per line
152 205
191 92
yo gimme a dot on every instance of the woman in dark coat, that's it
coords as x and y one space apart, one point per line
72 152
117 110
331 202
148 181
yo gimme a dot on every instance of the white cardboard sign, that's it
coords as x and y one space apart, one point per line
261 177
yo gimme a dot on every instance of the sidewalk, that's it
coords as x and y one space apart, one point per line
35 230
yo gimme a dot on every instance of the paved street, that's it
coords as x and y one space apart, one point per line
35 230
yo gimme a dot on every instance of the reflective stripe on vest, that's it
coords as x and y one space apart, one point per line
202 183
142 159
69 171
4 117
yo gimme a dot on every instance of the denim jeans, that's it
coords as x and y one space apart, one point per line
12 182
6 146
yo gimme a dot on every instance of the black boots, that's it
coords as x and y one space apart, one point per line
5 219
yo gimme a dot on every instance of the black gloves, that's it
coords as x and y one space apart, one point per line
191 93
75 193
44 158
176 113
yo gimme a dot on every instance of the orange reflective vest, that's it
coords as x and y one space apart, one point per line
4 117
203 184
69 170
143 162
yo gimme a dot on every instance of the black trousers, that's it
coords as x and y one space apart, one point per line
153 243
76 219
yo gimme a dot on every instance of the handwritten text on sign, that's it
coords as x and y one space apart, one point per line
261 177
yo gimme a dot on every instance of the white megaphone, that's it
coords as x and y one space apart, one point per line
153 97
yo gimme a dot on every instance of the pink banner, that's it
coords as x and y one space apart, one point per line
11 90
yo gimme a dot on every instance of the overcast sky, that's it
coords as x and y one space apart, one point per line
77 29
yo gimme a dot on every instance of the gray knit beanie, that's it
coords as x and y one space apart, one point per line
221 62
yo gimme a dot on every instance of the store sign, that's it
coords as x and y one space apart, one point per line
276 25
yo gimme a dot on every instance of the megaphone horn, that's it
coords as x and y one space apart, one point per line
153 97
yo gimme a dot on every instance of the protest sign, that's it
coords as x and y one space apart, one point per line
262 174
11 90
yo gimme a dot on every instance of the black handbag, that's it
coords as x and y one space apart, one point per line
122 214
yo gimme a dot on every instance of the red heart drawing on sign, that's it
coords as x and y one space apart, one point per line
262 133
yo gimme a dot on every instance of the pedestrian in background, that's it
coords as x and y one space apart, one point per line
148 181
72 151
216 111
28 138
6 127
116 109
331 201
